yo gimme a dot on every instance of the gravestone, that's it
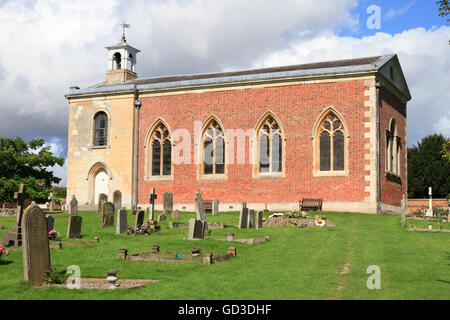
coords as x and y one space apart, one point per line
74 227
215 208
50 223
176 215
200 212
52 201
153 196
243 217
108 215
139 219
162 217
121 225
73 206
117 198
102 198
14 236
168 203
196 229
404 211
36 250
259 220
251 219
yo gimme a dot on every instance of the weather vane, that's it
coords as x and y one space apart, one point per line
124 26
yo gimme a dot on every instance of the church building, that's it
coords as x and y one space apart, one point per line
332 130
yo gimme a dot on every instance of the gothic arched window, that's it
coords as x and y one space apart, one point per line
331 144
270 146
393 147
213 149
100 129
161 152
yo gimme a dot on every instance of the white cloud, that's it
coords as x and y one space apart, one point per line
397 12
424 56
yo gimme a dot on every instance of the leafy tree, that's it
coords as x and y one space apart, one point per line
28 163
427 168
444 9
446 150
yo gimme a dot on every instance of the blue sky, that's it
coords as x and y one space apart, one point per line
50 45
398 16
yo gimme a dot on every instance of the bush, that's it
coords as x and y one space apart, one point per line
440 212
448 197
53 277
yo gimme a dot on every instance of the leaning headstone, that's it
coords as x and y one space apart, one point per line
50 223
199 207
168 202
251 219
196 229
121 225
108 215
243 218
259 220
74 227
139 220
73 206
176 215
36 249
215 208
102 198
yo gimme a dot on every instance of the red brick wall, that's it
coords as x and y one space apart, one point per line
392 190
298 107
417 204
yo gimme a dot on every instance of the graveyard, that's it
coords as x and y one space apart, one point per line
228 260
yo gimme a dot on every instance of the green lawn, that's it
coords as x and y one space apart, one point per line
295 264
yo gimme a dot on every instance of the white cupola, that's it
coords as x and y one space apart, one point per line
121 61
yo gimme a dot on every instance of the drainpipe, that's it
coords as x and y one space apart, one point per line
378 161
137 105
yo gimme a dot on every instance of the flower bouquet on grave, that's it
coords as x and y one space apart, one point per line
130 230
3 251
52 235
319 221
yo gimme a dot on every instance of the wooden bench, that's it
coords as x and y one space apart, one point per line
208 205
310 205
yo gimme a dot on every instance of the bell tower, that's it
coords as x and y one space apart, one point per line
121 61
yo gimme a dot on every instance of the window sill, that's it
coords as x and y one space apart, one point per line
213 177
330 173
99 147
270 175
160 178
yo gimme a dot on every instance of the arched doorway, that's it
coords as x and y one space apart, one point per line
101 184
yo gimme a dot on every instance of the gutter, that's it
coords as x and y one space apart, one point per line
378 160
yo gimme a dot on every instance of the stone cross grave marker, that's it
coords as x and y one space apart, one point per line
14 236
52 201
168 203
121 225
108 215
36 250
102 198
73 206
139 220
153 196
251 219
243 217
74 227
50 223
259 220
215 208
